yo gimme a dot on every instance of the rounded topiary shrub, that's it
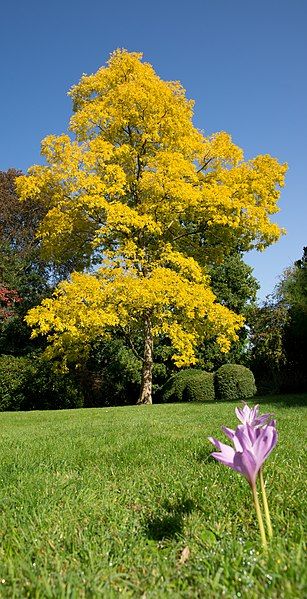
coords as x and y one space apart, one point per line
234 382
200 387
189 385
174 388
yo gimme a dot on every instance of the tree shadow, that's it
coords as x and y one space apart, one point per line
287 401
170 525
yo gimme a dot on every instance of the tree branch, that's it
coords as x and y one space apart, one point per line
204 165
132 346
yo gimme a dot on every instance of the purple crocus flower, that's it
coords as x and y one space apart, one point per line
251 416
251 448
253 441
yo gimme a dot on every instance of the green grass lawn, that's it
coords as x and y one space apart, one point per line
102 502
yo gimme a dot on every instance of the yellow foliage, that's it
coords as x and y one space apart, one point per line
89 306
142 188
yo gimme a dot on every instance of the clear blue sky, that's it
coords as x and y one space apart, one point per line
244 62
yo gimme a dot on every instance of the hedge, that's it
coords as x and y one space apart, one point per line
29 383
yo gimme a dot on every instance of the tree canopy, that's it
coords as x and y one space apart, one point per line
293 285
144 203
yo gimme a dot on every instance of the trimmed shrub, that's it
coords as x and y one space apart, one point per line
174 388
200 387
188 385
234 382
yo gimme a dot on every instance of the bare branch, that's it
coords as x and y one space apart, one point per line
130 342
204 165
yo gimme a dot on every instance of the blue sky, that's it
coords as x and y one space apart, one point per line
244 62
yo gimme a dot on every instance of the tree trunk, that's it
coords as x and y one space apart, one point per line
146 386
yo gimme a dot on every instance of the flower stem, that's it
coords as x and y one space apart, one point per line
265 505
259 517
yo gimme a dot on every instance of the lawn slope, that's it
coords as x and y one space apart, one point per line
104 503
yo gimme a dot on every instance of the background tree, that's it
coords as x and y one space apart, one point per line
278 333
292 288
9 298
19 256
22 269
144 195
292 292
26 381
235 287
267 355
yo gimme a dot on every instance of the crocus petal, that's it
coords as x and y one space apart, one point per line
251 416
244 462
220 457
246 414
214 441
232 436
244 436
264 444
226 451
261 420
254 413
240 415
228 432
252 432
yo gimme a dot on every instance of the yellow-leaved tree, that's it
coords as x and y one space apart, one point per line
143 201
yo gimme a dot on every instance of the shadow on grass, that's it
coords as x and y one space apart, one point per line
286 401
170 525
204 455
